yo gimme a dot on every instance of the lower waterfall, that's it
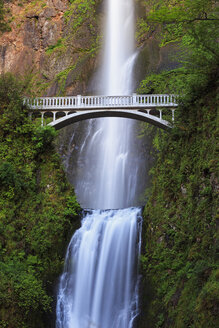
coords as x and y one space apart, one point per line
99 286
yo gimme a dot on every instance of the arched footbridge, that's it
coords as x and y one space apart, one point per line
154 109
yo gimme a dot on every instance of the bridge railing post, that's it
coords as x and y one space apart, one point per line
134 98
160 114
79 100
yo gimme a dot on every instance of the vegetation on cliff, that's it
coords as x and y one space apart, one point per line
79 43
3 22
38 213
181 277
180 220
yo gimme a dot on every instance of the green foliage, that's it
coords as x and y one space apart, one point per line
38 213
168 80
180 219
82 10
179 260
181 17
4 26
199 59
181 216
61 78
60 44
43 137
72 207
11 181
142 29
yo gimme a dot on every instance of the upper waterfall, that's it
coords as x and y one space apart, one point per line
110 178
99 286
119 48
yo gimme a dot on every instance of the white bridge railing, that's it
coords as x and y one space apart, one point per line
102 102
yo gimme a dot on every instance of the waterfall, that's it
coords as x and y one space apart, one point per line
99 285
110 179
97 288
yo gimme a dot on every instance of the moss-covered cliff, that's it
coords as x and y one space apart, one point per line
180 283
180 240
38 213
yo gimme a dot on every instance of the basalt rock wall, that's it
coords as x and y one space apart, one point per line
53 42
56 45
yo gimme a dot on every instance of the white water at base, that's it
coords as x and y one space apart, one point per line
99 286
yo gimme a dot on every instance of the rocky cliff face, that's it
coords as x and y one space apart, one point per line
56 44
51 41
33 29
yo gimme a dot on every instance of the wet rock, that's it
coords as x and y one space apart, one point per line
53 90
59 5
32 34
82 38
25 61
48 12
153 59
3 50
50 34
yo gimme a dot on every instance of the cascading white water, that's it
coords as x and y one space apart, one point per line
110 176
119 48
99 285
97 288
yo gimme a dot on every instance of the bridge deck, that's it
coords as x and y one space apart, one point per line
79 103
